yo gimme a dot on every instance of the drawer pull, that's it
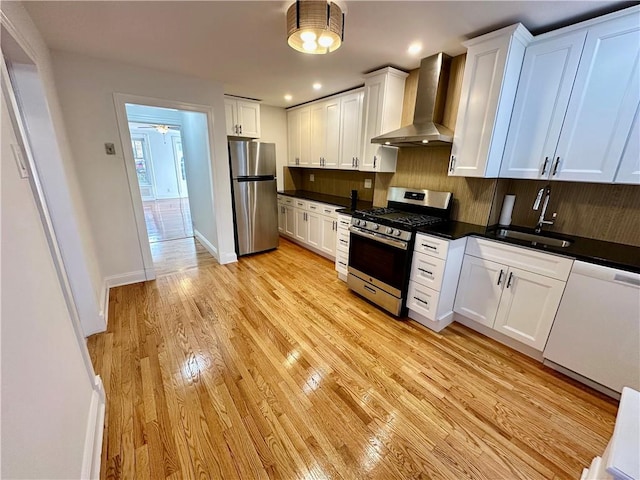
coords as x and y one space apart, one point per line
500 276
422 301
327 211
369 289
343 241
429 246
510 279
342 263
425 271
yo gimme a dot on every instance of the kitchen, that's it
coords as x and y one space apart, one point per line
482 204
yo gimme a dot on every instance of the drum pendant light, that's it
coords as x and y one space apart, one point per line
315 26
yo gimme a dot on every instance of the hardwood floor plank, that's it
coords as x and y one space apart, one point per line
272 368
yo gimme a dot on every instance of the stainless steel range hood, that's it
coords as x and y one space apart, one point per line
426 129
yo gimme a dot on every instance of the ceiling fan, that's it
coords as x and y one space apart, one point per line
163 129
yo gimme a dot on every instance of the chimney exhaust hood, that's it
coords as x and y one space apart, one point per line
426 129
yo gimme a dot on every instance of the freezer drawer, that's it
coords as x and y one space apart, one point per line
256 215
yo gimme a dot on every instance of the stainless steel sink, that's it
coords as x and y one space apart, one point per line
533 238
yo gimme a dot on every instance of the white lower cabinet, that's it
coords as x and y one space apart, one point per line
313 225
434 276
515 301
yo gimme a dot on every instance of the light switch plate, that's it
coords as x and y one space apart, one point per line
110 148
367 183
312 177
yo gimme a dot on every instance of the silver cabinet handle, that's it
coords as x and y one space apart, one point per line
356 162
510 278
342 263
425 271
544 166
452 163
240 129
343 241
369 289
353 162
555 167
422 301
500 276
375 159
297 161
327 211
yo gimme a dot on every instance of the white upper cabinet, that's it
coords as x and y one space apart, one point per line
489 86
299 135
547 76
576 103
325 138
242 118
383 98
603 103
629 170
351 130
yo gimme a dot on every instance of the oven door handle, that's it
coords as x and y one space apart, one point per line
379 238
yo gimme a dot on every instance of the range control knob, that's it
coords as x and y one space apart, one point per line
389 230
375 226
397 233
356 221
363 223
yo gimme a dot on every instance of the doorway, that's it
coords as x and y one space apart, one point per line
168 162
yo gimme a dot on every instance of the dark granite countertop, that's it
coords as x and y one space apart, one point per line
328 199
615 255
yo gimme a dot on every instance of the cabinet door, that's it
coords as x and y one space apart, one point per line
373 103
301 227
282 218
603 103
318 128
332 134
528 306
305 135
328 235
547 76
314 229
629 170
293 137
230 116
249 119
480 289
481 89
290 221
350 130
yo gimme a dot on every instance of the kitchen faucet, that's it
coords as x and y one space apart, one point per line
546 192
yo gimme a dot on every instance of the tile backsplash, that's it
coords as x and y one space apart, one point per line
593 210
330 182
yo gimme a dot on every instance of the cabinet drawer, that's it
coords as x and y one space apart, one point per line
423 300
436 247
328 210
343 222
342 261
287 200
301 204
342 241
547 264
427 270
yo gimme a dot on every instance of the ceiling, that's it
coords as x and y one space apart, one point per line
243 44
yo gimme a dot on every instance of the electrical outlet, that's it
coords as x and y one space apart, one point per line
367 183
312 177
110 148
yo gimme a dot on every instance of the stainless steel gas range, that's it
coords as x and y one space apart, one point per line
381 244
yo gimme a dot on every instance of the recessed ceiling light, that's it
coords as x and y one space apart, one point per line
288 98
414 48
317 86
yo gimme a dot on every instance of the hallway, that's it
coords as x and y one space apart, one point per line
168 219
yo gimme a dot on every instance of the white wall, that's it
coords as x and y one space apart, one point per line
46 388
53 156
86 87
273 126
195 146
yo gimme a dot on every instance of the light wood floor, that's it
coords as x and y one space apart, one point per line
173 256
168 219
272 368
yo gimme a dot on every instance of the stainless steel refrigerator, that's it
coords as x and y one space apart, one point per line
255 204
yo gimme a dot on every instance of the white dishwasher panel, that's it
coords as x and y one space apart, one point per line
596 332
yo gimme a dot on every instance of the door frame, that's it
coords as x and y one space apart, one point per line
120 100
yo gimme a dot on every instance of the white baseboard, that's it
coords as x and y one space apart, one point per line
435 325
227 257
94 434
206 244
125 279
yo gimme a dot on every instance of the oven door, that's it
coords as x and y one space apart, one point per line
379 260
